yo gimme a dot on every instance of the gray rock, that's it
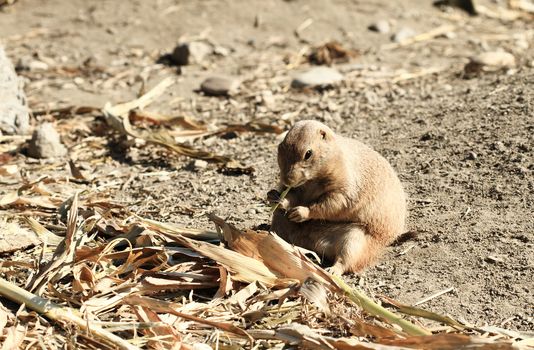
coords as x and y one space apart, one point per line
191 53
381 26
45 143
403 34
14 112
219 86
318 76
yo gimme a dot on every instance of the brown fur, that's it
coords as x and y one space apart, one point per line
346 201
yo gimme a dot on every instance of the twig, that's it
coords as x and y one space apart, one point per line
143 101
410 247
414 75
58 313
433 296
421 37
308 22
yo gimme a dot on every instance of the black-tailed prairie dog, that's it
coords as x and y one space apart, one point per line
346 202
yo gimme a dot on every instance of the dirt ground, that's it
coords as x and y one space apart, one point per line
462 146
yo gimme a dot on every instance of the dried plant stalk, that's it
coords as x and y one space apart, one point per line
377 310
58 313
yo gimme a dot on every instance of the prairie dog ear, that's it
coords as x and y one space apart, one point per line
323 134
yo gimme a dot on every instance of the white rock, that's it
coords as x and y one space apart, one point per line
45 143
199 164
191 53
489 61
494 59
220 86
268 99
403 34
318 76
381 26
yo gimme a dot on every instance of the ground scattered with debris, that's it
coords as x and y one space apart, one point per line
461 140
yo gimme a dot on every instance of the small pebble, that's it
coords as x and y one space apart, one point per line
403 34
191 53
499 146
489 62
267 99
472 155
29 64
45 143
318 76
199 164
493 259
494 59
219 86
381 26
522 44
221 51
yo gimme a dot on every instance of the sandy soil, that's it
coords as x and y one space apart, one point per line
463 147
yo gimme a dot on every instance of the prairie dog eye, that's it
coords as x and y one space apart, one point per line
308 154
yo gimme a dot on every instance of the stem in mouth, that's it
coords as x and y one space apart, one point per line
282 196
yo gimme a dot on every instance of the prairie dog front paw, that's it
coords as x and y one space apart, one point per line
299 214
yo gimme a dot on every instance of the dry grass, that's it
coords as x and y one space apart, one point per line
107 278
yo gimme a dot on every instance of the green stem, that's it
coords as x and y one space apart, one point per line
377 310
282 196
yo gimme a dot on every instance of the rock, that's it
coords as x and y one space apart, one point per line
219 86
471 155
199 164
381 26
13 237
499 146
318 76
45 143
490 61
14 112
268 99
28 63
191 53
403 34
493 259
450 35
221 51
466 5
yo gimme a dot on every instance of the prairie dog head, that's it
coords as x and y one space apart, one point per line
305 152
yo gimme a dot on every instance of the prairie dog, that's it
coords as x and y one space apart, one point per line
346 202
